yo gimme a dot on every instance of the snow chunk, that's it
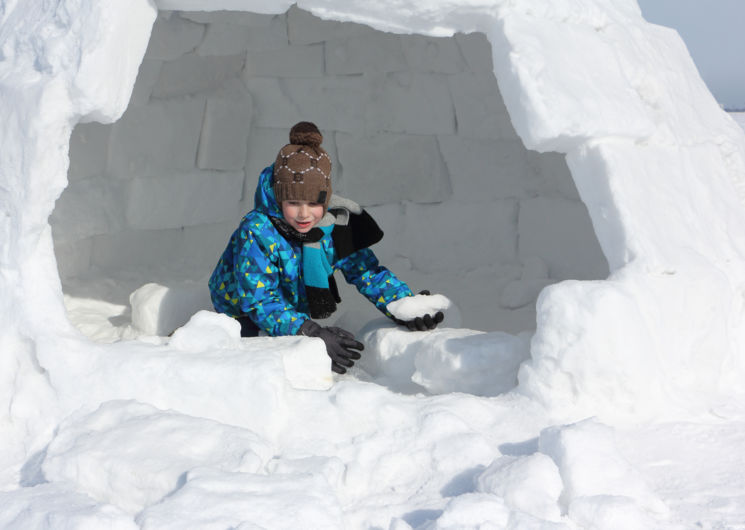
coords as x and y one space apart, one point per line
207 330
418 305
172 37
159 309
304 368
215 499
484 364
531 484
54 506
443 360
131 454
583 449
473 510
610 512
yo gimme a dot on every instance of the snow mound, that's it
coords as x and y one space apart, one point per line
133 455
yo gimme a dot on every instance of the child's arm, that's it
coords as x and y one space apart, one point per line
378 284
258 287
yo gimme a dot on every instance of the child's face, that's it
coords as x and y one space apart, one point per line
302 215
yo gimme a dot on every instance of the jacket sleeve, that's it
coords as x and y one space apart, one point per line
375 282
258 278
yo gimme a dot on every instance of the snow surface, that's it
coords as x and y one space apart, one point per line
622 410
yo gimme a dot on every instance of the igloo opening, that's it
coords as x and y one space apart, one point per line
417 131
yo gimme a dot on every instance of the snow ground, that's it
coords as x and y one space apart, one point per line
428 431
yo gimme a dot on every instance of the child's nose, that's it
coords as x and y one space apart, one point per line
304 210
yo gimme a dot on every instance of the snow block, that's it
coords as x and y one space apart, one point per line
227 122
54 506
479 108
163 250
74 258
160 309
530 484
161 136
210 498
237 18
476 51
203 331
333 103
183 200
88 207
539 90
519 293
89 146
173 36
549 227
224 39
580 450
191 74
132 455
383 168
303 367
366 53
428 225
147 76
410 102
231 38
484 364
292 61
482 170
430 54
549 175
305 28
474 510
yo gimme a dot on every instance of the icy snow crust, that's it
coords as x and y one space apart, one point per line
204 429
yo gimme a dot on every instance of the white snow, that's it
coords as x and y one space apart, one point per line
617 406
418 305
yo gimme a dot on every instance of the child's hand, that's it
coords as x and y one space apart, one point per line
340 344
419 313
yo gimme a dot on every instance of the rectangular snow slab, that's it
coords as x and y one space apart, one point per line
184 200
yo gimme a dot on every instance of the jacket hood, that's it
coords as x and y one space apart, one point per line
264 199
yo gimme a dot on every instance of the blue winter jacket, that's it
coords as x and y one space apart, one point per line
259 274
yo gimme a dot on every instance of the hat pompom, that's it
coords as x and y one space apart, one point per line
306 133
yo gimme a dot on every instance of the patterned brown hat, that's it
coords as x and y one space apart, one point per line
302 171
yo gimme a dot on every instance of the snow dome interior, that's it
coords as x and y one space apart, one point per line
417 131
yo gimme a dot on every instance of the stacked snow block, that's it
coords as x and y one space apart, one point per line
415 126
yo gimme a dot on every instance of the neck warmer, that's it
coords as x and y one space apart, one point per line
320 287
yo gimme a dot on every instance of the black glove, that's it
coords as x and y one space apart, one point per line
422 323
340 344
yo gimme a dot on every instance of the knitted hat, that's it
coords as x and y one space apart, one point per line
302 171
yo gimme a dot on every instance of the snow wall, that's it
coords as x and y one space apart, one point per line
417 130
658 165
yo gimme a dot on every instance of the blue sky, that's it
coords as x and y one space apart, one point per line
714 32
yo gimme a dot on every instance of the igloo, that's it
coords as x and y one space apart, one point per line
586 90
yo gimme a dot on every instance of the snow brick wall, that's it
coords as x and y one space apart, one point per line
416 129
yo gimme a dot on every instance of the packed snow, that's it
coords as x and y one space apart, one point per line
129 404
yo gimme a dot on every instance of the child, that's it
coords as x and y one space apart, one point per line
276 273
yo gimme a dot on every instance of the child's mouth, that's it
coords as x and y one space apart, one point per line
302 224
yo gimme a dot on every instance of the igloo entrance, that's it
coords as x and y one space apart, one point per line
417 132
